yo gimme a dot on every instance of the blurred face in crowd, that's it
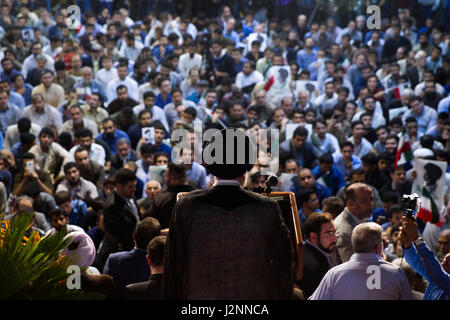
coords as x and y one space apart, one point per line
382 135
326 240
76 115
292 167
383 164
260 98
58 222
38 104
329 89
237 111
94 101
417 107
127 190
177 98
320 130
210 99
347 152
108 128
367 121
166 88
86 74
147 158
123 150
391 146
411 128
161 160
398 177
82 159
122 94
152 189
278 116
47 79
122 72
145 120
149 102
45 141
86 142
76 62
358 131
307 180
73 176
298 142
303 98
362 204
159 135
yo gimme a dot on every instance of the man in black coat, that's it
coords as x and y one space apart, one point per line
151 289
320 235
176 180
226 242
120 216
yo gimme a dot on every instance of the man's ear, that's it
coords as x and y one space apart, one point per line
314 237
148 260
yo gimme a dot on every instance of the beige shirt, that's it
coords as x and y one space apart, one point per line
49 161
54 96
97 116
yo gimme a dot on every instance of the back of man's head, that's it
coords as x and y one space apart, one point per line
145 231
366 237
156 249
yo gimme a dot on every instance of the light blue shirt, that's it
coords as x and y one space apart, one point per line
425 120
197 174
304 59
17 99
339 162
356 280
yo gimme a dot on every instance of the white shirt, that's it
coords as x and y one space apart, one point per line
12 135
356 280
157 114
30 63
105 76
143 88
132 86
50 116
243 80
186 63
97 153
362 149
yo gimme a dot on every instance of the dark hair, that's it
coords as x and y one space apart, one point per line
62 197
410 119
24 125
177 171
335 205
301 132
142 112
303 195
70 165
28 156
388 196
57 212
149 94
123 176
47 131
394 208
27 138
83 132
326 158
148 148
370 158
145 231
156 250
81 149
355 123
347 144
314 223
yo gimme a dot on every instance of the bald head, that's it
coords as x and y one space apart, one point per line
307 180
359 197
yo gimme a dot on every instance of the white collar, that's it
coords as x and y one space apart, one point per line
225 182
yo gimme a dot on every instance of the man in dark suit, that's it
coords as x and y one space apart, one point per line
151 289
320 235
123 155
226 242
176 180
131 266
120 216
415 73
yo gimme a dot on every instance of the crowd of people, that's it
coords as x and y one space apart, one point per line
87 115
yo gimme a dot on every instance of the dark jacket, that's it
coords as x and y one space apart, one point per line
117 163
147 290
315 265
95 174
228 243
127 267
165 202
